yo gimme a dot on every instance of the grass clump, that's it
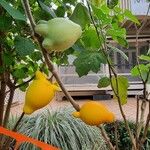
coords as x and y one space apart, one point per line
60 129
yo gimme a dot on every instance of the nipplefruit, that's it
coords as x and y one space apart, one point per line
94 113
59 34
39 93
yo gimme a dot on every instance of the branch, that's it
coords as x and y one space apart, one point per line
7 112
116 134
8 140
104 134
137 120
48 62
19 85
146 127
28 13
111 69
2 88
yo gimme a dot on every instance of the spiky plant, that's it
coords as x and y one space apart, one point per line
60 129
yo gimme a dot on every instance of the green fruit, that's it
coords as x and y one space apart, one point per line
59 33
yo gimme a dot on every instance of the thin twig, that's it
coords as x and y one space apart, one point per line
116 134
137 120
104 134
146 126
7 143
54 72
27 9
7 112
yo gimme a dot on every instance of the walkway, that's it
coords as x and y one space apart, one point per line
129 108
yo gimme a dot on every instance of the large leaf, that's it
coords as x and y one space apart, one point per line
16 14
88 61
116 50
80 15
116 32
5 23
90 39
47 9
131 17
140 69
7 59
121 88
145 57
24 46
122 41
103 82
104 18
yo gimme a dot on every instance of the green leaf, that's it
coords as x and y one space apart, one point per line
122 41
115 49
80 15
7 59
2 69
135 71
5 23
88 61
105 9
105 19
60 11
24 46
115 31
103 82
16 14
19 73
121 88
112 3
47 9
90 39
36 56
131 17
24 87
143 69
144 57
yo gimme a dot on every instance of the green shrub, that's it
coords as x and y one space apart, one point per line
60 129
123 137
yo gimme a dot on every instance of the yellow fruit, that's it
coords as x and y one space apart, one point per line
39 93
94 113
59 33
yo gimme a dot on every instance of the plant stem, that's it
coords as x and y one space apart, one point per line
17 123
137 120
55 74
116 135
2 88
48 62
7 143
27 9
7 112
146 127
111 69
104 134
